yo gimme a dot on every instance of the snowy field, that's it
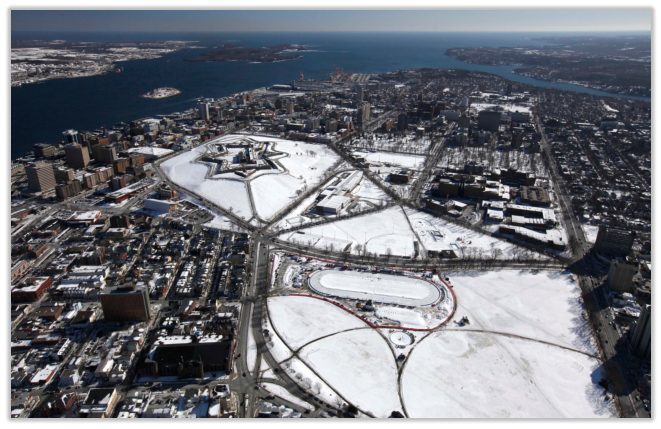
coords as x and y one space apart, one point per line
481 375
379 232
590 232
438 234
274 192
369 191
300 320
415 162
382 288
360 365
543 306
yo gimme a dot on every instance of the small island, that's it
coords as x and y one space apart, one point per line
161 93
269 54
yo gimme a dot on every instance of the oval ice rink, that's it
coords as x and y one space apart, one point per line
384 288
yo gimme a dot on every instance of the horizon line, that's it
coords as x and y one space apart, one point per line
339 31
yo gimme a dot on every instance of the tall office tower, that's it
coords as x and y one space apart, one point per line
41 177
104 153
360 93
641 340
77 155
63 174
489 120
402 122
43 150
203 108
126 304
620 275
614 241
71 136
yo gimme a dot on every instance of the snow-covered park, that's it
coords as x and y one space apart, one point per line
389 232
525 352
301 165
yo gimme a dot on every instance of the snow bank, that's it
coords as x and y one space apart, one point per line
283 393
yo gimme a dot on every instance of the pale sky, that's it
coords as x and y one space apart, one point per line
331 20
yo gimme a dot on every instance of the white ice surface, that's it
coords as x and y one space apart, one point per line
379 287
361 366
300 320
482 375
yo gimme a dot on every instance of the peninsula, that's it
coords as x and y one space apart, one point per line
34 61
269 54
620 65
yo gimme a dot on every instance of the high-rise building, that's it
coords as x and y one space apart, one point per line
120 165
63 174
126 304
489 120
68 190
641 340
77 155
402 122
71 136
614 241
360 93
104 153
44 150
41 177
620 275
203 109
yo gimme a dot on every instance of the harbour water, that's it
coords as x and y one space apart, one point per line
40 112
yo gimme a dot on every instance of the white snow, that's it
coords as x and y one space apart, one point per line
192 175
271 190
405 317
415 162
544 306
309 381
482 375
438 234
273 193
283 393
275 345
299 319
590 232
360 365
380 287
379 231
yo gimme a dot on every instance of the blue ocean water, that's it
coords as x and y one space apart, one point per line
40 112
